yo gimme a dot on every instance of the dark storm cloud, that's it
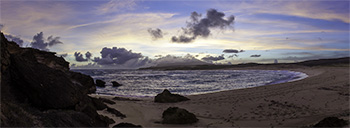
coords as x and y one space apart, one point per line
255 55
116 56
39 41
213 58
79 57
201 27
156 33
18 40
232 51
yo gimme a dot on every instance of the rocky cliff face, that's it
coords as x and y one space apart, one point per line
37 89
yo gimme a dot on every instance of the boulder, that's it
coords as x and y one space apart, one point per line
100 83
115 112
331 122
167 97
175 115
127 125
116 84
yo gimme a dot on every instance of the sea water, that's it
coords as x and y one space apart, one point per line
140 83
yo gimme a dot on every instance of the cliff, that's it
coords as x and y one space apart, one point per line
38 90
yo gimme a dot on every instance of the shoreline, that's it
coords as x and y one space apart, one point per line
294 76
298 103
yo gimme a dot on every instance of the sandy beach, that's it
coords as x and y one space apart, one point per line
324 93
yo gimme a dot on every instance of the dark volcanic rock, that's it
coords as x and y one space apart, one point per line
100 83
126 125
331 122
38 90
116 84
175 115
167 97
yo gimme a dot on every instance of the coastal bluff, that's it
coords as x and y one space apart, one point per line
39 90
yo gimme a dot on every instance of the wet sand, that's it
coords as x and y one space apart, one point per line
299 103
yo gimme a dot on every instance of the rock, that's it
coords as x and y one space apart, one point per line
116 84
106 100
331 122
107 119
175 115
124 125
116 112
100 83
84 81
99 105
38 90
167 97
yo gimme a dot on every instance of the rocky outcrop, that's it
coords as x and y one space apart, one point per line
116 84
175 115
100 83
38 90
167 97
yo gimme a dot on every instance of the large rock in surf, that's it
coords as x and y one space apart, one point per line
100 83
38 90
116 84
167 97
175 115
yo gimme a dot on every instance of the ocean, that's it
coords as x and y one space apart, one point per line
145 83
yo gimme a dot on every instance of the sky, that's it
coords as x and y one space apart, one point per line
142 33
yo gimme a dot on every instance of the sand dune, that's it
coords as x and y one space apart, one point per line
300 103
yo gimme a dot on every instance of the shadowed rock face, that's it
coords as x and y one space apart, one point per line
37 89
167 97
331 122
175 115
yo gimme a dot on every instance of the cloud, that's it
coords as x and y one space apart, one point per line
209 58
88 55
232 51
39 42
116 6
16 39
53 41
116 56
255 55
1 26
156 33
79 57
231 56
201 27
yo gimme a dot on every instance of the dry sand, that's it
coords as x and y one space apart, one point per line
300 103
